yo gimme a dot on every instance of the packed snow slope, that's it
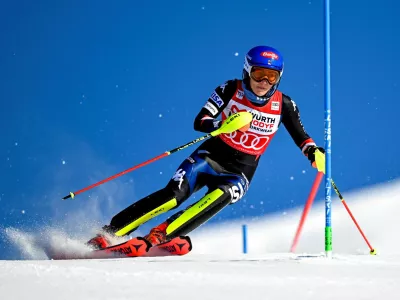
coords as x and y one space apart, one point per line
217 268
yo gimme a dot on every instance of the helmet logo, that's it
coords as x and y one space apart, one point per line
247 65
269 54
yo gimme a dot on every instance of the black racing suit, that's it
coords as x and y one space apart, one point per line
237 161
214 164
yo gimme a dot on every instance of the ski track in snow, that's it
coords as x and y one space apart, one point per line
217 268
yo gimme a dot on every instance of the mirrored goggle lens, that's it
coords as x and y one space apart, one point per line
259 74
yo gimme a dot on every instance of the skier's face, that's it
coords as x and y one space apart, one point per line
260 88
262 79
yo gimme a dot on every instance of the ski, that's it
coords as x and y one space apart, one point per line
136 247
180 245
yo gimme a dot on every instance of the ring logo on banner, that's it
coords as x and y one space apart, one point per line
248 140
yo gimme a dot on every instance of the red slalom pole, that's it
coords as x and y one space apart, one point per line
307 207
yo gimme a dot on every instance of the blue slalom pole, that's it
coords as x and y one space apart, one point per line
327 133
244 234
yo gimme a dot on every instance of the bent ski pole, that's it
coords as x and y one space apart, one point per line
231 124
307 207
320 161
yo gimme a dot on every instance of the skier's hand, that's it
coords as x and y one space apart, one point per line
245 128
310 152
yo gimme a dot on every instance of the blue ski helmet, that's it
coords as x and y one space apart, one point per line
265 57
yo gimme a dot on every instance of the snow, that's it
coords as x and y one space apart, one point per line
277 276
217 268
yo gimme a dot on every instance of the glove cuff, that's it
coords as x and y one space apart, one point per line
306 145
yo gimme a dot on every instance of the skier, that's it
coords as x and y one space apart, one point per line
225 164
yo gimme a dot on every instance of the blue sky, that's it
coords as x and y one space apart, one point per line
91 88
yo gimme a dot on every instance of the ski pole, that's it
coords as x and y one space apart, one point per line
320 161
372 250
231 124
307 207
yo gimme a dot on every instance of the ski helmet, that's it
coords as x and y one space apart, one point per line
264 57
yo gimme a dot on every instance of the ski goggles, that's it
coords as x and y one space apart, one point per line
259 74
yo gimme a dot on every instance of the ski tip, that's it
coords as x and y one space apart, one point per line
179 245
187 238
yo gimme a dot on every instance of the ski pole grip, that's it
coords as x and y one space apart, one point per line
234 122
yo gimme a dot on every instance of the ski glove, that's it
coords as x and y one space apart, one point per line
310 152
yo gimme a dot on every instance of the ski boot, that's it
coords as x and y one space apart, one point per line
157 235
101 240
